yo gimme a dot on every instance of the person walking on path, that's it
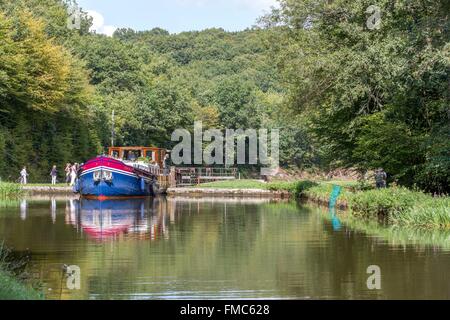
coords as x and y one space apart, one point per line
166 165
68 171
381 179
54 174
23 175
73 174
156 166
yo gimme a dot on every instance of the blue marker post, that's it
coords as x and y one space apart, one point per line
333 201
335 195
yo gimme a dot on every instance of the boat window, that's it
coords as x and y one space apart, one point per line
132 155
115 154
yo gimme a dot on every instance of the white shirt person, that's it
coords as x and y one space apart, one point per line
23 175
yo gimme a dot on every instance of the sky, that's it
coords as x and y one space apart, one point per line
174 15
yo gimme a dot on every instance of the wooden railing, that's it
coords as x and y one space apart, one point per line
185 176
191 176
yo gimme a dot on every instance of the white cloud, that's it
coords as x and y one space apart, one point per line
258 4
109 30
253 4
98 24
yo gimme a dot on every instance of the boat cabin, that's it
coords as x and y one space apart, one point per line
136 153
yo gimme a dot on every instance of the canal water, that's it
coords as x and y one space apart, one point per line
218 248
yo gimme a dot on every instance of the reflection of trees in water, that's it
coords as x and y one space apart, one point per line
210 247
217 247
413 263
338 268
269 249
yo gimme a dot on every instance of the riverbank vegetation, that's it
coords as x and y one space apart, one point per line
393 234
13 286
234 184
13 289
10 190
398 206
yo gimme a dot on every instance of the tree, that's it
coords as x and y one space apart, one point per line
361 89
235 99
44 93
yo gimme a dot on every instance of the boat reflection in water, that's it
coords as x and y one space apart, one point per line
126 219
117 219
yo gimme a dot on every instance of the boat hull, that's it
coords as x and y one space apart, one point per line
108 178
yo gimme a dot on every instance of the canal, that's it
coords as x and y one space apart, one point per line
217 248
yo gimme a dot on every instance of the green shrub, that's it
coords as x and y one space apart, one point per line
302 186
11 270
427 213
10 190
362 185
233 184
297 188
281 186
384 201
320 193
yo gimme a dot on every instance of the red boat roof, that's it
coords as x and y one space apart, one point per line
107 162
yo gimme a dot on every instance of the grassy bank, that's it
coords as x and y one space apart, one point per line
10 194
395 235
10 190
294 187
13 289
11 269
233 184
400 206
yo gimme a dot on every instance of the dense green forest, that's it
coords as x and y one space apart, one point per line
344 96
371 97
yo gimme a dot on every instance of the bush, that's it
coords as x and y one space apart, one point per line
281 186
10 190
384 201
303 186
233 184
12 275
429 213
295 187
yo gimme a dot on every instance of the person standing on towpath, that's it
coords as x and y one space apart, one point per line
166 165
381 179
68 171
73 174
23 175
54 174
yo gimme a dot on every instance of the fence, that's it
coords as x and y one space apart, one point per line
192 176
